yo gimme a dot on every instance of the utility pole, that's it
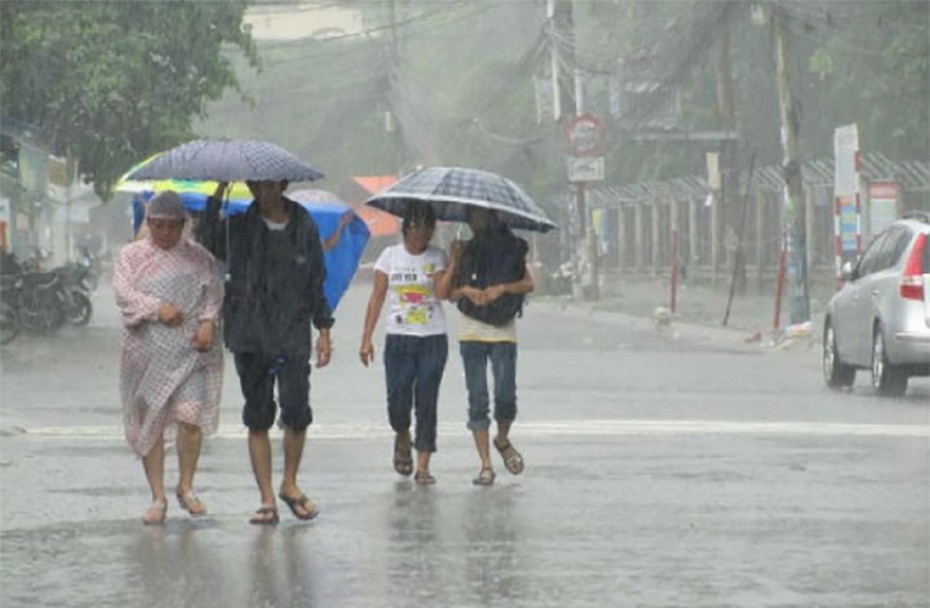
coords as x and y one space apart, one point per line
70 163
795 212
729 217
391 124
567 107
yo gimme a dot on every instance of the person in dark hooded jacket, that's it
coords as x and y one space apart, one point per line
274 293
489 278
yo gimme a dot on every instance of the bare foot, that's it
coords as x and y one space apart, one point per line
424 478
155 515
190 503
267 515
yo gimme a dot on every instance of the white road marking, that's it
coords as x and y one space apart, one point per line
609 427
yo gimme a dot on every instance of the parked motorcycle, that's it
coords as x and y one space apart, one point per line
37 298
9 322
10 326
41 302
90 269
74 292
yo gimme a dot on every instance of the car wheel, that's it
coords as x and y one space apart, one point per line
886 379
836 374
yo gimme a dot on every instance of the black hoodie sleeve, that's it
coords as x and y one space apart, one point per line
211 231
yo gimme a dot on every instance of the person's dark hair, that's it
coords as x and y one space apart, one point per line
495 224
419 214
253 185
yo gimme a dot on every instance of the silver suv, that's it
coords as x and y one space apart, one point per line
880 319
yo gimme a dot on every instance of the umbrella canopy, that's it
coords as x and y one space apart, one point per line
225 160
315 195
451 191
341 261
193 193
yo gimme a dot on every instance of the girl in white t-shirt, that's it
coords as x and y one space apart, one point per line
410 276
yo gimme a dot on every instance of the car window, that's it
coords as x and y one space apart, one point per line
903 237
870 256
891 248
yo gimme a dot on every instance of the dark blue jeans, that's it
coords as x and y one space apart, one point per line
413 368
503 358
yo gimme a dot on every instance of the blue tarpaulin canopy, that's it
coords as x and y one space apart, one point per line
341 261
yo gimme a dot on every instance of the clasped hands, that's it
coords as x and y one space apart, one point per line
482 297
478 297
171 316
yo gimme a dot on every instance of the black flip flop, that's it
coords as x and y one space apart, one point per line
485 477
265 521
423 478
403 458
302 501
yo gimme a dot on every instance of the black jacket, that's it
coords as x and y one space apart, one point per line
490 258
274 282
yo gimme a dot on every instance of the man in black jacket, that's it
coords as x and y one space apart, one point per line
274 291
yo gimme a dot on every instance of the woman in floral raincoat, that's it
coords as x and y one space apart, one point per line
169 293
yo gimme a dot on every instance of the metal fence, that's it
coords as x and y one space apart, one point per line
637 221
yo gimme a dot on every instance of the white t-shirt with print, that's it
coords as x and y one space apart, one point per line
413 308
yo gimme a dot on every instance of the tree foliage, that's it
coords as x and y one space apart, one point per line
113 82
462 85
468 103
874 70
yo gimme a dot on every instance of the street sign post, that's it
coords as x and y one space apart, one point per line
585 135
585 168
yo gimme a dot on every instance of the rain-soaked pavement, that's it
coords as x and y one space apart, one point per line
659 473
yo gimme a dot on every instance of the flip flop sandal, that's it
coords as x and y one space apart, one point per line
403 459
424 478
485 477
155 514
303 502
190 503
265 516
512 458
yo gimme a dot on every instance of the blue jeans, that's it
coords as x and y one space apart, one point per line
503 358
413 368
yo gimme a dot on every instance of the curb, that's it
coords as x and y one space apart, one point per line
730 338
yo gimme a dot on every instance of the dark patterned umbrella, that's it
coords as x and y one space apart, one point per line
225 160
452 190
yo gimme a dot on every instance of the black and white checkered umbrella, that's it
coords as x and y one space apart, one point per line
225 160
452 190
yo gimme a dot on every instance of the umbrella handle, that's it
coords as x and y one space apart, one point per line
224 206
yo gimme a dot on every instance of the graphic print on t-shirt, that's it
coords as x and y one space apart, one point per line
415 295
413 308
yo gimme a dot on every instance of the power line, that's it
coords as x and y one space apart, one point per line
367 34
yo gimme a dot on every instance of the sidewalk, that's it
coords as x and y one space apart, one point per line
644 302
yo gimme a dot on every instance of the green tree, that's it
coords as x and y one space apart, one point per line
113 82
467 103
875 68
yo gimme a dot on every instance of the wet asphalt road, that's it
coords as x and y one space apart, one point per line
689 472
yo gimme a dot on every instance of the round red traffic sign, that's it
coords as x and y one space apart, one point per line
585 136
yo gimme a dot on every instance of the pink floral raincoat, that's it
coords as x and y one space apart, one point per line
163 378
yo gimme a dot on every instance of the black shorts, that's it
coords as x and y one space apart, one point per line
257 374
